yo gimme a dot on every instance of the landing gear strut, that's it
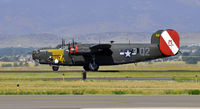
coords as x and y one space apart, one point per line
55 68
84 75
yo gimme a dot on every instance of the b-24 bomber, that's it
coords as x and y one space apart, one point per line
164 43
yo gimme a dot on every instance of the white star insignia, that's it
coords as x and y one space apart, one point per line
127 54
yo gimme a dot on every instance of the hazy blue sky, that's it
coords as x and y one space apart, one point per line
96 16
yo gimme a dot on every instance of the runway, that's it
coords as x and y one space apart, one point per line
113 71
96 101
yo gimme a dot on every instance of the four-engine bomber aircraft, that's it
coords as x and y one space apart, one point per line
164 43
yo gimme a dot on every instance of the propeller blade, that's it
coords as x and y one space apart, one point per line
69 47
63 42
73 43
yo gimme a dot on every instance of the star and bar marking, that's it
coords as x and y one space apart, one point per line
127 53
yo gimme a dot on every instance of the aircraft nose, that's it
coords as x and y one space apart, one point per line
35 54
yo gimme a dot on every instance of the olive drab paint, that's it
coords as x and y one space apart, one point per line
164 43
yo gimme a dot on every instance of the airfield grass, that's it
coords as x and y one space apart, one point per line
33 83
57 76
174 65
99 87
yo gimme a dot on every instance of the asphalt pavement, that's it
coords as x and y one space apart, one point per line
97 101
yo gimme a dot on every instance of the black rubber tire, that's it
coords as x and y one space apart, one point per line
55 68
86 67
93 67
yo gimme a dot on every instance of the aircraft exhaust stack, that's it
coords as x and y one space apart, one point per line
168 41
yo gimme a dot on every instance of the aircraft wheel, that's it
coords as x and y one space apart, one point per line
93 67
86 68
55 68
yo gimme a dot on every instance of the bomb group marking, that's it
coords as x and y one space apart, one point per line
169 42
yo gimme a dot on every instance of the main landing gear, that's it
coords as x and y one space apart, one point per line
55 68
91 67
84 75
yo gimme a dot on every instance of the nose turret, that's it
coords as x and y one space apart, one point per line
35 54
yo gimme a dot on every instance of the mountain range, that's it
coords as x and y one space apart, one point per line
51 40
38 23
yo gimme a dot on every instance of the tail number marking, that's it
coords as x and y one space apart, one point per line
145 51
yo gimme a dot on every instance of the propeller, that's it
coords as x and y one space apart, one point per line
73 43
63 42
72 49
68 46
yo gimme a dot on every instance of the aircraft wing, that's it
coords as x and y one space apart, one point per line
101 49
94 49
100 46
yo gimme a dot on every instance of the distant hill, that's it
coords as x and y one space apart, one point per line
51 40
31 40
118 20
190 38
76 17
118 37
11 51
